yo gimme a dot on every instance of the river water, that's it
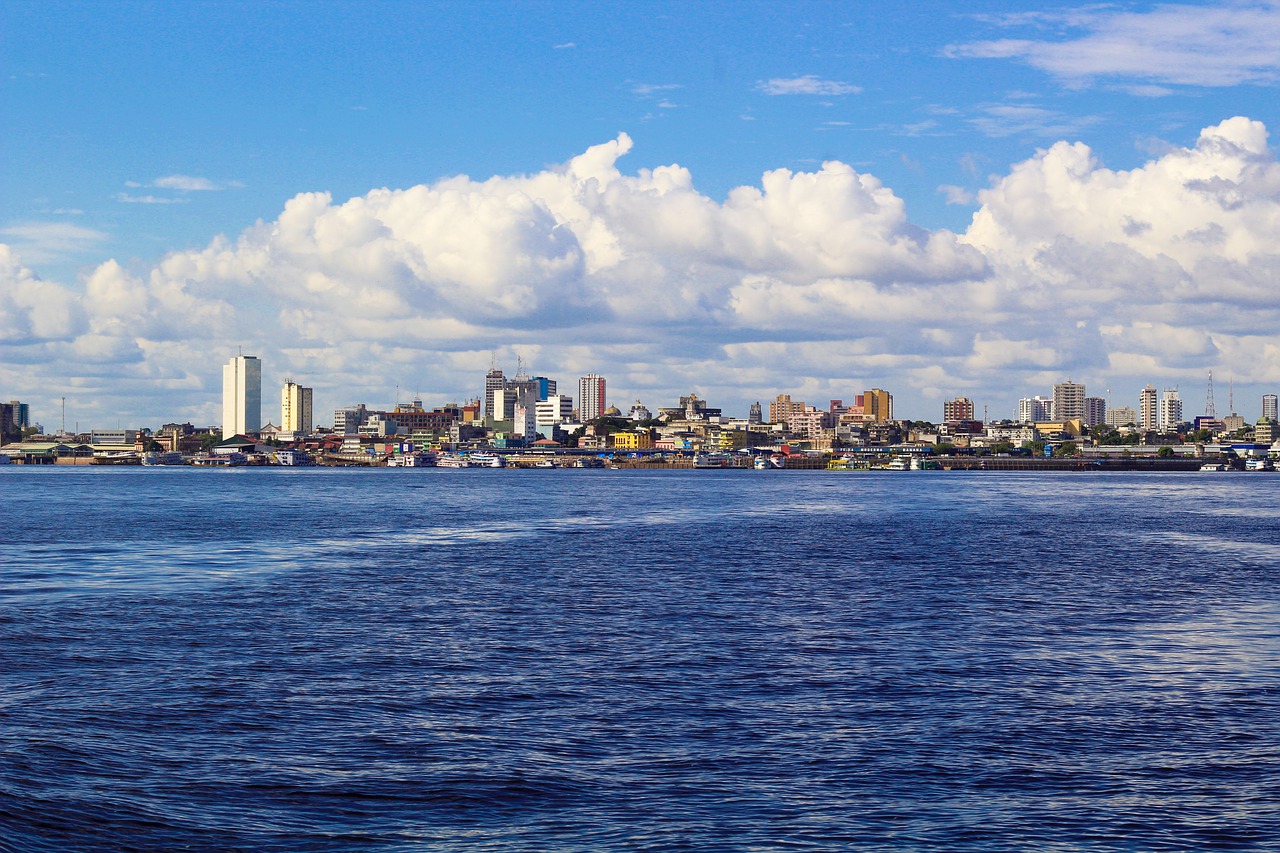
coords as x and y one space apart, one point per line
386 660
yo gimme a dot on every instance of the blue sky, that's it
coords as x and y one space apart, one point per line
142 144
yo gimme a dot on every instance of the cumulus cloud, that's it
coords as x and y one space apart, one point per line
1173 44
811 282
186 183
809 84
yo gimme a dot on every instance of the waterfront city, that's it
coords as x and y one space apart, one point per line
530 421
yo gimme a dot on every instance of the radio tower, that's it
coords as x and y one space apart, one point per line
1208 401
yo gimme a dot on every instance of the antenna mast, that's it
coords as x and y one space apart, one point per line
1208 400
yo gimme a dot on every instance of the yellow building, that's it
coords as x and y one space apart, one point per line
638 440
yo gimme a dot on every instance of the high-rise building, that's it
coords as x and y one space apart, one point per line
1269 407
1035 410
546 387
555 409
878 404
494 380
295 408
755 413
347 421
1095 411
1068 401
591 397
241 396
959 409
1121 416
20 414
1149 408
1170 409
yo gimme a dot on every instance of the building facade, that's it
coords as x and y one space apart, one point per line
1035 409
1170 410
1269 407
877 404
1149 408
959 409
1068 401
1095 410
295 408
591 397
241 396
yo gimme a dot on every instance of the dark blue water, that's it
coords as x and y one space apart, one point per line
276 660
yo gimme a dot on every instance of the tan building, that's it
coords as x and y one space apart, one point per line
295 408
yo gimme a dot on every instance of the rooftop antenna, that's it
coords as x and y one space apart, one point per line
1208 400
1231 394
64 415
493 360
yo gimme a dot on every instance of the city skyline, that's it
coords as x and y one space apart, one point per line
944 204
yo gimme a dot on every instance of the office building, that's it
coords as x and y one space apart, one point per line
1269 407
1149 408
1122 416
295 408
494 380
241 396
591 397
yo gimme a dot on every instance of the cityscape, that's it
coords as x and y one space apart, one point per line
521 414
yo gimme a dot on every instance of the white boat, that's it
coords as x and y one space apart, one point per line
545 463
487 460
710 460
760 463
292 458
452 460
412 460
1213 466
168 457
898 464
778 460
1258 465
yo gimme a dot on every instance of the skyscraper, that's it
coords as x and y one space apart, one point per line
1068 401
1269 406
241 396
959 409
591 397
878 403
494 380
1095 411
295 408
1035 409
1170 409
1148 410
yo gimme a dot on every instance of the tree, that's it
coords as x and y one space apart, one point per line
1002 447
1165 452
1067 448
1036 447
944 448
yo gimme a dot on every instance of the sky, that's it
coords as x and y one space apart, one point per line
739 200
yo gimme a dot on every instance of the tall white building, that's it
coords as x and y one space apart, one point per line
1148 408
295 408
554 410
1269 406
1035 409
1170 409
241 396
591 397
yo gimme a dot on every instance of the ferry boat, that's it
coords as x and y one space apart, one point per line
1258 465
122 457
710 460
169 457
487 460
545 463
1213 466
452 460
898 464
412 460
292 458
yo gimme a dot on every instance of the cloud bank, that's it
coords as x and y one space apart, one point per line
812 283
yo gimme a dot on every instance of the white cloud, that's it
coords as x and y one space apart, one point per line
809 84
1172 44
49 242
812 282
186 183
149 199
